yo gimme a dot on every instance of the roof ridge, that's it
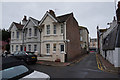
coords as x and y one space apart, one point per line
65 14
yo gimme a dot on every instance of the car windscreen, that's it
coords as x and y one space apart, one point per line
14 71
29 53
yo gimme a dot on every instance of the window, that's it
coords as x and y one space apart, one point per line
12 48
16 47
54 47
30 32
54 30
35 32
35 47
17 35
48 29
29 47
62 47
13 34
48 48
61 28
81 38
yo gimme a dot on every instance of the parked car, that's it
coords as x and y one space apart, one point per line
13 69
28 57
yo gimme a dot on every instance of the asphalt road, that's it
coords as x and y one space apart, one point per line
86 68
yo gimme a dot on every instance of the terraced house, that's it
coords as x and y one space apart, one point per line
56 38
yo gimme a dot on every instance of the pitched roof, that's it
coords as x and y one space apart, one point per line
19 26
63 18
81 27
102 30
35 21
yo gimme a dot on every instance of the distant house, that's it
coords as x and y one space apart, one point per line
84 38
55 38
93 44
16 43
110 41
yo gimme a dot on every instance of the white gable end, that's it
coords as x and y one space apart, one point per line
45 17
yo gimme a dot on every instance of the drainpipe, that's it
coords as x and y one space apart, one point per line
40 30
23 41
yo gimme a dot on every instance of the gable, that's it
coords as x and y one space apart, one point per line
29 24
12 27
48 18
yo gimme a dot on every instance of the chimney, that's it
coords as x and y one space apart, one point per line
24 20
118 12
52 13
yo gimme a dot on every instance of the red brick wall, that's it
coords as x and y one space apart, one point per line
72 33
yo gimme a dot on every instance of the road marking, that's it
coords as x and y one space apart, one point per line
99 63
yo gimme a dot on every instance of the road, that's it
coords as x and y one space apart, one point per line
86 68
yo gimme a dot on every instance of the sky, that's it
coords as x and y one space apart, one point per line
88 14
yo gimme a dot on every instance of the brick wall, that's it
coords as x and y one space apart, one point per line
72 33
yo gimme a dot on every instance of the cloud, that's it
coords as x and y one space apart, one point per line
89 14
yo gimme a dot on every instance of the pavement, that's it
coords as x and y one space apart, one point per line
50 63
104 65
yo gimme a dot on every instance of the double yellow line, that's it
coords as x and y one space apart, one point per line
99 63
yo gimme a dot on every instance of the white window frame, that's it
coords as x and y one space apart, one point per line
61 48
62 28
35 31
29 47
48 48
54 29
16 47
54 47
17 34
81 38
35 47
13 34
30 30
47 29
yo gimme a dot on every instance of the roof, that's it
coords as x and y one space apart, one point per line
109 42
19 26
102 30
63 18
81 27
35 20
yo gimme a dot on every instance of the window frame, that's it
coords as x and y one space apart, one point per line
29 47
48 48
17 34
35 31
30 30
54 47
47 29
61 48
16 47
35 47
54 29
62 28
